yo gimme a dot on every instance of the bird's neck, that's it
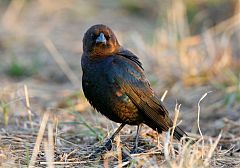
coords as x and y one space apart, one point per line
102 54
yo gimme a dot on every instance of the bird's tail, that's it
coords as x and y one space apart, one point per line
179 133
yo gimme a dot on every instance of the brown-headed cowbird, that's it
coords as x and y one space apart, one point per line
114 83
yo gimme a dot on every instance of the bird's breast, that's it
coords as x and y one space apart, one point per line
107 97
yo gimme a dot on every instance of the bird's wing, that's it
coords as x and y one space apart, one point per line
128 75
129 55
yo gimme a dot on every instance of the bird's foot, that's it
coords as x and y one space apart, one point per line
108 145
136 150
101 150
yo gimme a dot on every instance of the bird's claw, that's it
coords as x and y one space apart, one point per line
136 150
108 145
101 150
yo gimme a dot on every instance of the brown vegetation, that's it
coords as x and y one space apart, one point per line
185 49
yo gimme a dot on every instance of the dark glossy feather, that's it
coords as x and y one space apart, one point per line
114 83
130 78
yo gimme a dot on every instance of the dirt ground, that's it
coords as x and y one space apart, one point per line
45 119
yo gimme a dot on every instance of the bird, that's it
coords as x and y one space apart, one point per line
114 83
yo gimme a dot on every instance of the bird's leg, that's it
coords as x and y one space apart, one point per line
135 148
108 144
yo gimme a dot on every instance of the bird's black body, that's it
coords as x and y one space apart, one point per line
114 83
105 93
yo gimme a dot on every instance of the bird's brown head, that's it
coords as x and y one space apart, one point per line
100 41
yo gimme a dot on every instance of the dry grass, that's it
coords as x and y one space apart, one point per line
46 122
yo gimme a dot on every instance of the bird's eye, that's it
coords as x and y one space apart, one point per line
108 36
93 35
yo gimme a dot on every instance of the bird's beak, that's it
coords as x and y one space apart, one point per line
101 39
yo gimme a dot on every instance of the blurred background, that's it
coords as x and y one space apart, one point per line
188 47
